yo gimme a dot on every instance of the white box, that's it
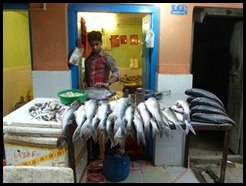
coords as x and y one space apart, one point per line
33 143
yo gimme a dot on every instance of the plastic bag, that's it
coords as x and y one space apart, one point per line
76 56
149 39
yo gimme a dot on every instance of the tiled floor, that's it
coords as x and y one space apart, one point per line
144 172
141 172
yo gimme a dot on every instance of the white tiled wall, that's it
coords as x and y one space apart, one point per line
49 83
170 150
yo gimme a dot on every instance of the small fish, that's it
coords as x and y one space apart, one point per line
99 93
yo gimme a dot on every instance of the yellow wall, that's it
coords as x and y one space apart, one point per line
17 79
125 52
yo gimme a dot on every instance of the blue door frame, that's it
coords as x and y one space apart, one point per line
150 73
73 35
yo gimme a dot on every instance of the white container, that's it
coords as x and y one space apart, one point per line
33 143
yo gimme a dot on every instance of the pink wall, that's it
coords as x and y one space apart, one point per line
49 37
50 42
175 48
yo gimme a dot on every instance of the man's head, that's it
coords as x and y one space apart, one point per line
95 41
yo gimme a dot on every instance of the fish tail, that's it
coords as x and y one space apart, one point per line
59 142
140 137
188 127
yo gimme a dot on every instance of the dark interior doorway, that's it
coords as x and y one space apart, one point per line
211 57
211 54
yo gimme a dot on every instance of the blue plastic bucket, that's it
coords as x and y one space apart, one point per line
116 169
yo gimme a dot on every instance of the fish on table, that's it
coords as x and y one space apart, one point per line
138 123
99 93
207 109
80 117
212 118
153 107
206 101
198 92
100 118
87 129
128 118
169 114
146 117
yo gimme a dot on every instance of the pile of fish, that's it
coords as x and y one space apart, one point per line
117 119
206 107
46 111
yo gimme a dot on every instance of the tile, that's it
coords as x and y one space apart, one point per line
162 156
156 177
49 83
177 83
153 169
179 174
134 177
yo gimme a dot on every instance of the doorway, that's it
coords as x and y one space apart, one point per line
211 58
152 58
151 54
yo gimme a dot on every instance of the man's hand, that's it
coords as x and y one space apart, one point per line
84 85
101 84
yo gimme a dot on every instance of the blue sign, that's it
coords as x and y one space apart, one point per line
179 9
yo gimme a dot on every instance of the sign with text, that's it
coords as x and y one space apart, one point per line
179 9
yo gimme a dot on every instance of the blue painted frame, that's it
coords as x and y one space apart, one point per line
119 8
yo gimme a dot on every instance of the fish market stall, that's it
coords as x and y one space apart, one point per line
30 141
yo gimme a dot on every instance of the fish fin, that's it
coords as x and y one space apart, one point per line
60 142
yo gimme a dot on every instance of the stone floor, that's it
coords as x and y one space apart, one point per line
205 152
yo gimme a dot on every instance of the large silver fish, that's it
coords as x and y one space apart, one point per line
128 117
206 101
212 118
154 127
153 107
171 117
101 116
146 118
109 135
198 92
119 112
120 138
206 109
184 104
87 129
67 119
99 93
80 117
138 123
